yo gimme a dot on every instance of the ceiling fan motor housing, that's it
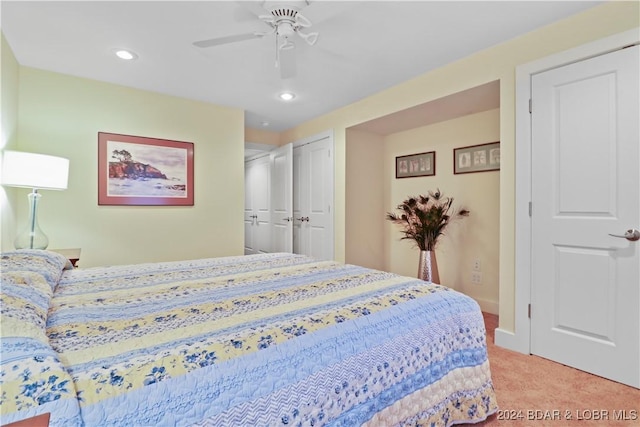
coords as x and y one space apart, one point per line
286 20
285 12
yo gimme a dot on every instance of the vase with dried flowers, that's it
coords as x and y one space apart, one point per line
424 219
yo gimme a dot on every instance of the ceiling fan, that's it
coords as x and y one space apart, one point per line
285 21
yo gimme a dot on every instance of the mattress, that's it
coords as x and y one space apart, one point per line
260 340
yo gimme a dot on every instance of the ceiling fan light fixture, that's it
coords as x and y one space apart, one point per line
287 96
287 44
285 28
125 54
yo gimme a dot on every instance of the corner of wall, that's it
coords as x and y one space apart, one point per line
9 79
364 201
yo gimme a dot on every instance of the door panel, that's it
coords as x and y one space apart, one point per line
585 186
320 223
262 205
586 110
248 238
583 279
318 243
257 211
313 199
299 200
249 243
282 199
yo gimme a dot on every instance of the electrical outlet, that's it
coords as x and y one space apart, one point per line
476 278
476 264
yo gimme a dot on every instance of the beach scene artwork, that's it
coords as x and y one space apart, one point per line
145 170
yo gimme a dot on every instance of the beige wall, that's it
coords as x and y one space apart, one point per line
372 190
261 136
8 130
466 239
364 205
62 115
496 63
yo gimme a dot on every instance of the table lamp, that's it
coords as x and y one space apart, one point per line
38 172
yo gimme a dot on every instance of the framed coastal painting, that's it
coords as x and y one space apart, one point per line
477 158
413 165
141 171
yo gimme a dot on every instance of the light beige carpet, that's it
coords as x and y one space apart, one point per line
533 391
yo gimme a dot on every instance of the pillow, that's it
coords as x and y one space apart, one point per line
33 380
49 264
24 304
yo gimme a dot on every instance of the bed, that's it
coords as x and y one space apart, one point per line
259 340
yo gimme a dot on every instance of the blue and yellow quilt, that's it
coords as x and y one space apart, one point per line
261 340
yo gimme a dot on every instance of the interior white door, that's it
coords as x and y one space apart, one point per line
299 164
248 212
585 294
313 198
282 199
257 212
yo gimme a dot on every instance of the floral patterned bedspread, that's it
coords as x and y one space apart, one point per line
33 381
268 340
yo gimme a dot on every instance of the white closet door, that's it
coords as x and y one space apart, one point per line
282 199
300 200
319 215
257 214
313 198
249 243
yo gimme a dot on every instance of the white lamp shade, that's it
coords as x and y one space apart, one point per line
20 169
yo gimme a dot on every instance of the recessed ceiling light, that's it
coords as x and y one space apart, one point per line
125 54
265 123
287 96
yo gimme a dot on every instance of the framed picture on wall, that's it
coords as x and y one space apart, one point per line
477 158
413 165
141 171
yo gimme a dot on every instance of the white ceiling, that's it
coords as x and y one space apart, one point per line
363 46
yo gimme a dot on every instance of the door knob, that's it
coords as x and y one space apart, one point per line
631 235
288 219
253 216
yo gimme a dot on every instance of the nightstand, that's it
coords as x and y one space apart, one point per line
73 255
37 421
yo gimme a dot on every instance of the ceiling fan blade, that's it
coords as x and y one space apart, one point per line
228 39
268 19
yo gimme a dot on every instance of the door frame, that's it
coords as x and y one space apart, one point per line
255 158
520 339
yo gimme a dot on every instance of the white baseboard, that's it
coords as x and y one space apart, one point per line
510 341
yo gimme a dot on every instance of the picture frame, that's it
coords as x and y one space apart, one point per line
477 158
142 171
415 165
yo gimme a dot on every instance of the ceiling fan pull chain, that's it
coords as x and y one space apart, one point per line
277 51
